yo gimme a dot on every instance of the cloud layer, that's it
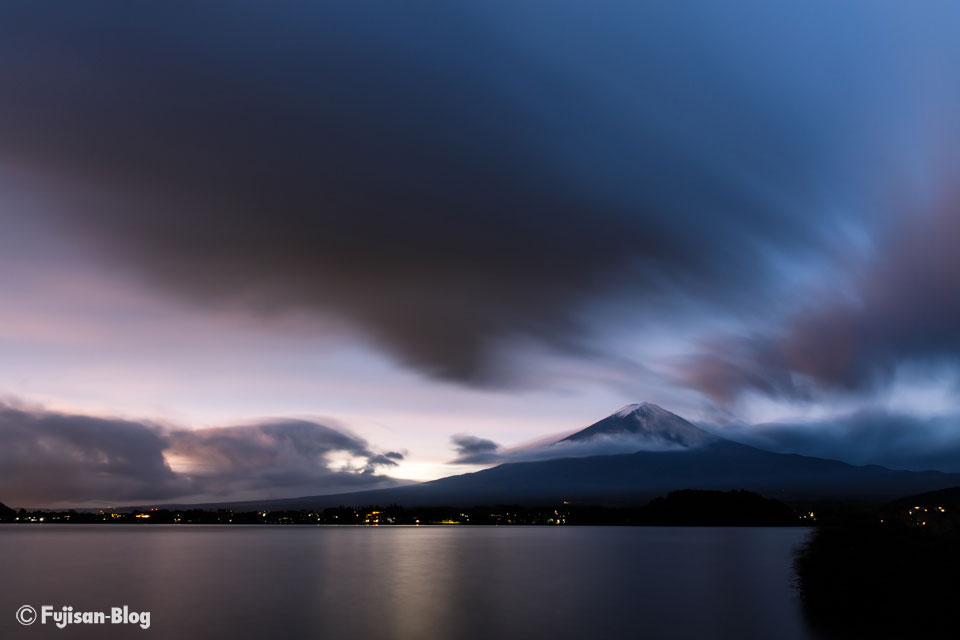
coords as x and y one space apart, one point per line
475 450
56 458
902 307
449 181
894 440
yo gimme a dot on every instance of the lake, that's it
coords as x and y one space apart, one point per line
405 582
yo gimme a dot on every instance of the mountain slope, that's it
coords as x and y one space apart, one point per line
638 477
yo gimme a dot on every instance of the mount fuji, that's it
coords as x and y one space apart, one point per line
657 452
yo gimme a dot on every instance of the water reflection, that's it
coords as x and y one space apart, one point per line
418 582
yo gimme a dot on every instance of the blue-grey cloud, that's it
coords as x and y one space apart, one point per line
53 457
58 458
450 178
895 440
275 455
903 307
474 450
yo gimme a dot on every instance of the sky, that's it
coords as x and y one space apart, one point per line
272 249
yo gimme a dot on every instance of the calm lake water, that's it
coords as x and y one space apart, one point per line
406 582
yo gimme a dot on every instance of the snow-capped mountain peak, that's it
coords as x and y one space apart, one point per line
642 408
646 424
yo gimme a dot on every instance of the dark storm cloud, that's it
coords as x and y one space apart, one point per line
903 308
447 178
275 455
898 441
50 457
474 450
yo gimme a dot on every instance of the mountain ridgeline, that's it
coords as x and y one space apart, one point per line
666 453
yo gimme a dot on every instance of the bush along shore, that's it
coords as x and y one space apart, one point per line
893 571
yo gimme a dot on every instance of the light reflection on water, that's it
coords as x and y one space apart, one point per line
407 582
